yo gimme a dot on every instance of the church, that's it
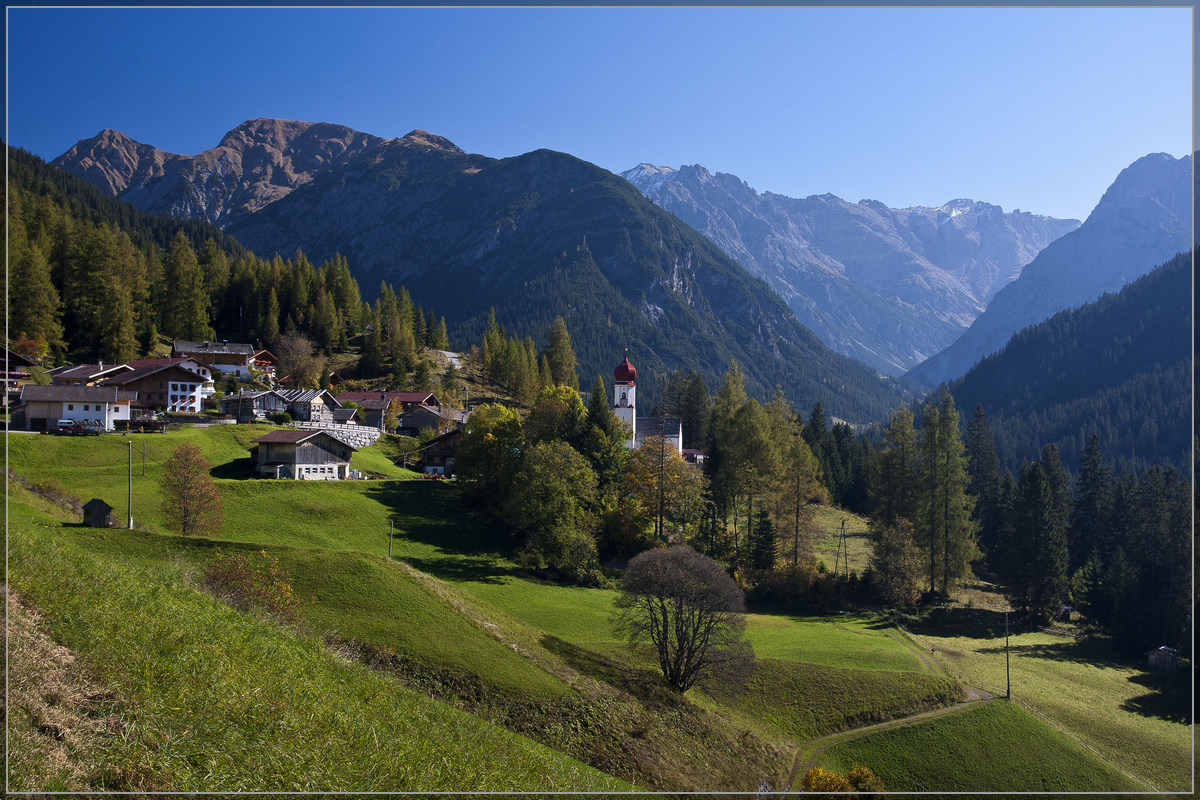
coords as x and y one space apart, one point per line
625 407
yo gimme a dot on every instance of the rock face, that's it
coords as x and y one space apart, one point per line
1143 220
255 164
889 287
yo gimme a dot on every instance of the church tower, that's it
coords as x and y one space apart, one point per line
625 395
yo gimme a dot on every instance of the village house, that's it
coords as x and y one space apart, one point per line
438 419
206 371
163 387
252 406
309 405
301 455
345 416
230 358
40 407
375 405
439 453
16 372
264 362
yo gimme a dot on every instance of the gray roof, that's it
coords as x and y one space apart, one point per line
228 348
307 396
658 426
75 394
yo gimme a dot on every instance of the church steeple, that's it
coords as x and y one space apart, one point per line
625 394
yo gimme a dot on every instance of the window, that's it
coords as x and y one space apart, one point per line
70 406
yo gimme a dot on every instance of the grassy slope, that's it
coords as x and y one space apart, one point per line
572 669
211 699
1112 706
996 745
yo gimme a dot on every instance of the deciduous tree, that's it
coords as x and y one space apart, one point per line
191 501
692 614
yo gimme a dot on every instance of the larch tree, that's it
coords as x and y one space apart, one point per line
191 501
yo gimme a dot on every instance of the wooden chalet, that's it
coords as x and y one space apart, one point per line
302 455
164 387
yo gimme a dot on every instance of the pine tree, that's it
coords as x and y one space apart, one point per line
763 542
1093 506
983 468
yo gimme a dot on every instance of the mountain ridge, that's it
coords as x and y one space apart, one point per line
887 286
1143 220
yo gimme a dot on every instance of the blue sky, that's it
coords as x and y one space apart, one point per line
1028 108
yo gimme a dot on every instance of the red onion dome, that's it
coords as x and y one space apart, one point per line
625 372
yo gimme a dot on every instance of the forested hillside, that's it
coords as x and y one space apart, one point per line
545 234
1120 366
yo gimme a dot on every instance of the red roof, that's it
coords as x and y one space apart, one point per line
625 372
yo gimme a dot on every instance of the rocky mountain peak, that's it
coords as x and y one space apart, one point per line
428 139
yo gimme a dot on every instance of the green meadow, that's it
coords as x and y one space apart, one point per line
393 655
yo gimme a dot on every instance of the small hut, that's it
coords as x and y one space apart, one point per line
98 514
1162 659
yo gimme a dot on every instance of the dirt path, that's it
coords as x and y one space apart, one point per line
808 754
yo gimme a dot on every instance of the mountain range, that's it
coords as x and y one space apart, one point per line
1120 366
534 236
889 287
1143 220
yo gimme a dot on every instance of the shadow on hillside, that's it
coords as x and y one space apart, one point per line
1169 698
967 623
1066 651
479 569
430 513
237 469
647 687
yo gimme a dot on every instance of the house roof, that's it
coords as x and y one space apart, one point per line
152 362
222 348
451 414
296 437
75 394
14 359
87 371
340 414
138 373
96 502
408 398
658 426
307 396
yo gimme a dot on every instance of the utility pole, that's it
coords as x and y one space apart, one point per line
847 548
391 535
1007 675
129 503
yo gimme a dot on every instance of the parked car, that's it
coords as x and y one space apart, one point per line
64 427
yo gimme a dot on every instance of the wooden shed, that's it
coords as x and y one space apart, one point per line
1162 659
98 514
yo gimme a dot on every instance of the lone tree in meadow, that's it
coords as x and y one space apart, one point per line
693 614
191 501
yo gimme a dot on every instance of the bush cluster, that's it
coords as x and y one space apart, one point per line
247 583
